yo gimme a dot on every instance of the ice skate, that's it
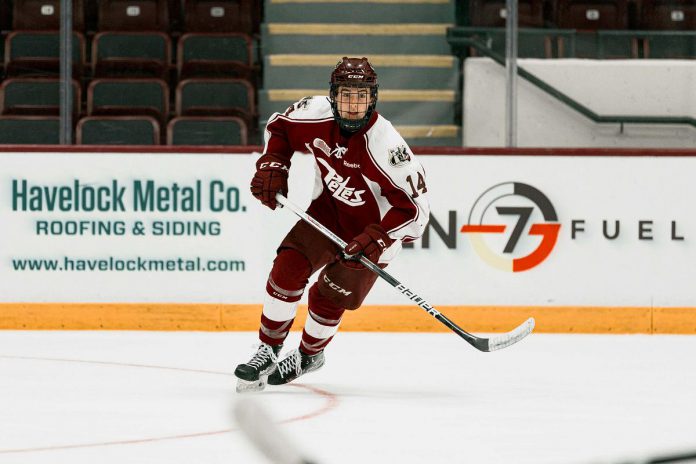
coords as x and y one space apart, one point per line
295 364
253 374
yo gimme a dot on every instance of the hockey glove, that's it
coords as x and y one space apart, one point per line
271 177
371 244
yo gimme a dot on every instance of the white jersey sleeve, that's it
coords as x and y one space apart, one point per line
401 179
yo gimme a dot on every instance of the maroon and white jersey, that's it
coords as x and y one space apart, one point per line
369 177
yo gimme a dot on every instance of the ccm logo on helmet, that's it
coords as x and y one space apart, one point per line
355 76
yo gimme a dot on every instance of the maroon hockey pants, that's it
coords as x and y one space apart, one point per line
303 252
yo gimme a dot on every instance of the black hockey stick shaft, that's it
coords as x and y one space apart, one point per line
480 343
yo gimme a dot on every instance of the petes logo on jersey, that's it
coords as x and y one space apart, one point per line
399 156
338 186
323 146
338 152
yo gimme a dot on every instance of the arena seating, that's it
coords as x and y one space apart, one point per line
194 66
30 130
37 53
588 28
128 97
677 15
493 13
5 15
218 16
44 15
35 96
215 55
202 130
219 97
191 62
131 54
133 15
592 14
118 130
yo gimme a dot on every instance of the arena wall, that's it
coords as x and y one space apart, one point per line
606 87
590 241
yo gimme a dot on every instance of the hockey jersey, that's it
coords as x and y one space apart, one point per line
368 177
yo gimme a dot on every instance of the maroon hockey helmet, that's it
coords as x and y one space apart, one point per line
353 72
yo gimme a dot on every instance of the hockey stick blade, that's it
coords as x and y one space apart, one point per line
480 343
512 337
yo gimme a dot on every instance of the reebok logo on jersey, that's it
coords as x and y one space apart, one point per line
338 186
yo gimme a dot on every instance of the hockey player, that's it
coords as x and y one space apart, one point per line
369 190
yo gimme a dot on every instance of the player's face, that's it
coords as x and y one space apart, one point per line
353 102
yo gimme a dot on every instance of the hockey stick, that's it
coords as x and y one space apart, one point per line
480 343
267 437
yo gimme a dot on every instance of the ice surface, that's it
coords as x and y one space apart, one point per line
166 397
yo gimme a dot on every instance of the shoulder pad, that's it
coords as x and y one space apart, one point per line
310 108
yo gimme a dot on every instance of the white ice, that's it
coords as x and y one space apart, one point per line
143 397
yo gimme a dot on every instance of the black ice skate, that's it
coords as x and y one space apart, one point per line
252 375
294 365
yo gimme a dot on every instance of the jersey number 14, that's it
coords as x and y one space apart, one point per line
419 187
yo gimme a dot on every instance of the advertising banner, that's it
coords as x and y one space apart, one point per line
555 231
133 228
504 230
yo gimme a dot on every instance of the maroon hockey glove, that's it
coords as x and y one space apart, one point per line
271 177
371 244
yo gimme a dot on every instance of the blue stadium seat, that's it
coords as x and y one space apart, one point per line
131 54
37 53
30 130
128 97
214 55
199 130
118 130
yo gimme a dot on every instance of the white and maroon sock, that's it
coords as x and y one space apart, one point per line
278 314
318 332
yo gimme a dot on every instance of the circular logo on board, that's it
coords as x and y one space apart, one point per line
513 226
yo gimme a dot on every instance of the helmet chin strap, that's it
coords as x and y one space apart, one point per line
352 125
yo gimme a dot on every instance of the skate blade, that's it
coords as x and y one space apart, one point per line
245 386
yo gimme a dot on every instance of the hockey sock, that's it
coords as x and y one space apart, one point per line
322 322
284 289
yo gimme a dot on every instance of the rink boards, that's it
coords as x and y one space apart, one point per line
585 241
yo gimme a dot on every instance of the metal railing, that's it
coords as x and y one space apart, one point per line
463 38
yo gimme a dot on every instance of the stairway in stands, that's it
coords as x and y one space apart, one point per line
405 40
